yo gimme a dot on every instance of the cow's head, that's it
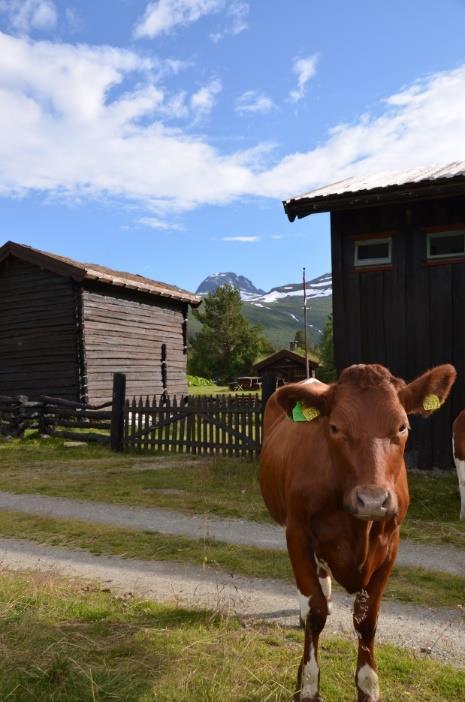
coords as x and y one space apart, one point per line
364 416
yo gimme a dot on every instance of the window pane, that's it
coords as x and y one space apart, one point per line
370 251
447 245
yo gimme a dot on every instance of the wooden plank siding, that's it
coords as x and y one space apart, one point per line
408 316
38 332
123 331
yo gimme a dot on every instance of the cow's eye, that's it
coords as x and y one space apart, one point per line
403 428
333 429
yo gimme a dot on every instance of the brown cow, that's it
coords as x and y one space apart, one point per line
338 484
458 445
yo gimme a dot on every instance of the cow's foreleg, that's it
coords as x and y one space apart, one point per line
366 608
313 611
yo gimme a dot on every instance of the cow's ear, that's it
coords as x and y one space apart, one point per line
427 393
304 401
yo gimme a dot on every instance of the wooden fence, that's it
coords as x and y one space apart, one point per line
227 425
54 416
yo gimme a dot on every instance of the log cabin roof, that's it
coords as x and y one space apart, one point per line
296 358
389 187
94 272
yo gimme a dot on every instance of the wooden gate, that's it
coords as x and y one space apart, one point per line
210 425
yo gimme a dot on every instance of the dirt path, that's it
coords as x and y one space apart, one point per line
235 531
440 632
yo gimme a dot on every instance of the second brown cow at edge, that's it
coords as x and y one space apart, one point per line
338 483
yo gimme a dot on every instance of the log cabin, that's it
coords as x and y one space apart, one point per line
286 365
398 267
66 327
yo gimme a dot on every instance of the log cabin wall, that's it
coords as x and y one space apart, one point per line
38 332
124 331
408 315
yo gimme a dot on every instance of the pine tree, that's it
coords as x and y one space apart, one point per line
327 370
227 345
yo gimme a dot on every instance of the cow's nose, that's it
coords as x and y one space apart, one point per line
372 502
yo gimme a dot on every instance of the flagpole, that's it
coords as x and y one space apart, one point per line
307 370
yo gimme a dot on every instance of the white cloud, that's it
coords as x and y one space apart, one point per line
253 101
203 100
69 128
242 239
304 69
237 21
162 16
73 19
159 223
421 125
24 15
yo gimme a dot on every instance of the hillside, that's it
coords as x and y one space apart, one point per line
279 311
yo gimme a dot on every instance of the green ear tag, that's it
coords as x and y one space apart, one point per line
431 403
304 414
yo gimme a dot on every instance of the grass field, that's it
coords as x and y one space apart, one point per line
72 642
225 487
412 585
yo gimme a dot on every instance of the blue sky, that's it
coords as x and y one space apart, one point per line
160 137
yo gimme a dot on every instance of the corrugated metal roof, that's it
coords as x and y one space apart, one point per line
386 181
92 271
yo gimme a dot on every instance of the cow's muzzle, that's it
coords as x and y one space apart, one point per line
371 502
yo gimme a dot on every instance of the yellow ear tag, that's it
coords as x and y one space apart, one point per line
300 413
431 403
310 413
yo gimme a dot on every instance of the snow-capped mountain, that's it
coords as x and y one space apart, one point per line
318 287
243 284
279 311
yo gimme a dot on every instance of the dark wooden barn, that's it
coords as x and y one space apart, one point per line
287 366
398 266
66 327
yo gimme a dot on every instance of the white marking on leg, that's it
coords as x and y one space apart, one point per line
304 604
460 467
368 682
325 584
325 581
310 675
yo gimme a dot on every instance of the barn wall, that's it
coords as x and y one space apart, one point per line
38 332
124 332
407 317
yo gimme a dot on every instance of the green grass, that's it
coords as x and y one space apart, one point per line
412 585
225 487
217 390
67 641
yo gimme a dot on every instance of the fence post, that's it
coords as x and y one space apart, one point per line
117 411
268 388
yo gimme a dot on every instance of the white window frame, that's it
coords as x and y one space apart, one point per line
373 261
439 235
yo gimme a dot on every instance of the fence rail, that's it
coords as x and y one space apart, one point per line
55 416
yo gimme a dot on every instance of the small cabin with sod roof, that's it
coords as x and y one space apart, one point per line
286 366
66 327
398 267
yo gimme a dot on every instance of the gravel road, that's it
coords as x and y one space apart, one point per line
440 633
234 531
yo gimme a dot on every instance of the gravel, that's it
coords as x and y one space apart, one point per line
439 632
233 531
